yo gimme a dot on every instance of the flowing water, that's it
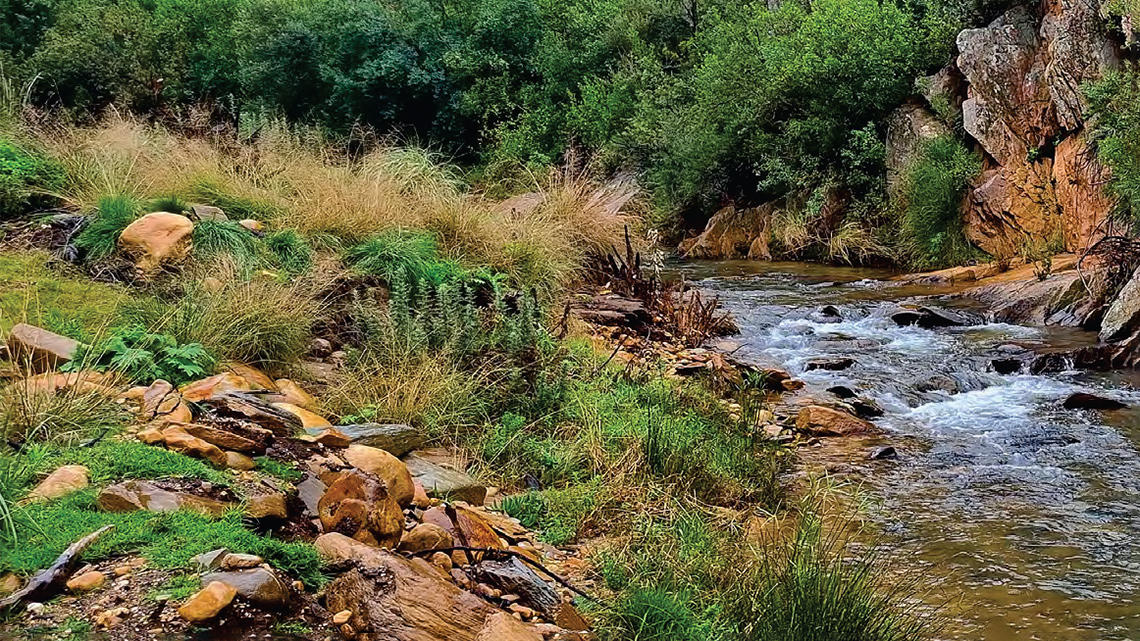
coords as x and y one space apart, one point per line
1023 515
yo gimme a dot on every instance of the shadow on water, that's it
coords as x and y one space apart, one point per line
1023 514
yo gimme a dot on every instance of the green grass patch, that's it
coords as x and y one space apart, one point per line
112 460
236 206
291 251
225 238
410 257
284 471
35 291
26 178
933 233
100 236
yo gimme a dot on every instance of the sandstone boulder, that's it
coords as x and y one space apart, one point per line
63 481
157 239
359 506
38 348
207 603
733 233
213 386
130 496
818 420
389 469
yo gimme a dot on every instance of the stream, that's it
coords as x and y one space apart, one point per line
1020 515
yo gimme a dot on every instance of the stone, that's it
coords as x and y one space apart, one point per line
255 226
38 348
240 462
1123 315
152 397
830 364
265 506
396 439
342 617
247 406
212 560
310 491
361 507
909 128
151 435
86 581
1006 366
9 583
445 482
442 562
420 498
207 213
258 585
207 603
399 599
1086 401
129 496
865 408
501 626
328 436
734 233
1080 50
179 440
63 481
222 439
213 386
290 392
157 239
474 530
258 379
392 471
426 536
320 348
825 421
883 453
842 391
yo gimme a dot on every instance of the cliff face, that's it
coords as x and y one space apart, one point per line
1015 88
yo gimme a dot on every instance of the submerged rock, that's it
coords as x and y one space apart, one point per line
1085 401
883 453
830 364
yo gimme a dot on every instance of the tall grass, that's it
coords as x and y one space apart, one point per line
100 235
933 234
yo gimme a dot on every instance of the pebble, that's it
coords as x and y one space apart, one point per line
342 617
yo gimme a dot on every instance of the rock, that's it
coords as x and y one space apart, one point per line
426 536
152 397
247 406
157 239
240 462
222 439
825 421
932 318
320 348
1123 315
842 391
395 474
208 213
310 492
10 583
442 562
614 311
865 408
909 128
258 379
179 440
501 626
259 586
267 506
63 481
213 386
515 577
254 226
207 603
400 599
212 560
473 528
290 392
86 581
1085 401
1080 50
396 439
1066 298
240 562
361 507
1007 366
342 617
420 498
883 453
445 482
830 364
329 437
308 419
906 317
1085 207
38 348
129 496
733 233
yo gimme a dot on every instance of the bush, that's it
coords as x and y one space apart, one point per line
143 357
931 198
28 415
100 236
26 180
1115 134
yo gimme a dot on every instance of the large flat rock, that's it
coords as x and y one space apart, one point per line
445 482
396 439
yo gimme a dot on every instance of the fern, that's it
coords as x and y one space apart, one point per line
144 357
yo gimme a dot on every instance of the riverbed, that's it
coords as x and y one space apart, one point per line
1020 517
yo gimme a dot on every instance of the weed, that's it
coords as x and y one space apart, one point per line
291 628
100 236
34 290
143 357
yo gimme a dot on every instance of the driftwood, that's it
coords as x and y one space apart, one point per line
513 577
46 582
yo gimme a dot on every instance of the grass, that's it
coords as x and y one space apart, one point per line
213 239
291 251
35 290
100 236
68 417
410 256
933 234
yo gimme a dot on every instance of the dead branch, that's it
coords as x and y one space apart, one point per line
47 582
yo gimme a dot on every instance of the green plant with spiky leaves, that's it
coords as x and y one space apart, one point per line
100 236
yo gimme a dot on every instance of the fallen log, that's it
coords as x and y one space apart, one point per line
47 582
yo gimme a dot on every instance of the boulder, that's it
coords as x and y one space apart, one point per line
426 536
501 626
63 481
38 348
240 462
207 603
396 439
179 440
157 239
474 529
223 439
207 213
818 420
909 128
1079 50
733 233
445 482
1123 315
258 379
258 585
829 364
214 386
1086 401
361 507
395 474
396 599
267 506
129 496
292 393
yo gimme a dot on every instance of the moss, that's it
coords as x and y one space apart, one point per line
34 291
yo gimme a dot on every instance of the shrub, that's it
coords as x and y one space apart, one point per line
932 191
25 179
169 204
1115 134
291 250
100 236
143 357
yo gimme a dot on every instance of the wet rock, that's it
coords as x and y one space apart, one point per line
38 348
292 393
865 408
259 586
179 440
396 439
426 536
327 436
63 481
883 453
445 482
830 364
842 392
1007 366
1123 315
1085 401
906 317
512 576
267 506
207 603
395 474
130 496
938 383
86 581
157 239
223 439
818 420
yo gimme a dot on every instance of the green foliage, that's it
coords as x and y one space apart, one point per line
409 257
656 615
283 471
100 236
143 357
169 204
113 460
217 238
1116 137
238 205
36 290
291 250
26 179
931 198
27 416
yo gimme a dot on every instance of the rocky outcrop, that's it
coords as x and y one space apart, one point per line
908 128
733 233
